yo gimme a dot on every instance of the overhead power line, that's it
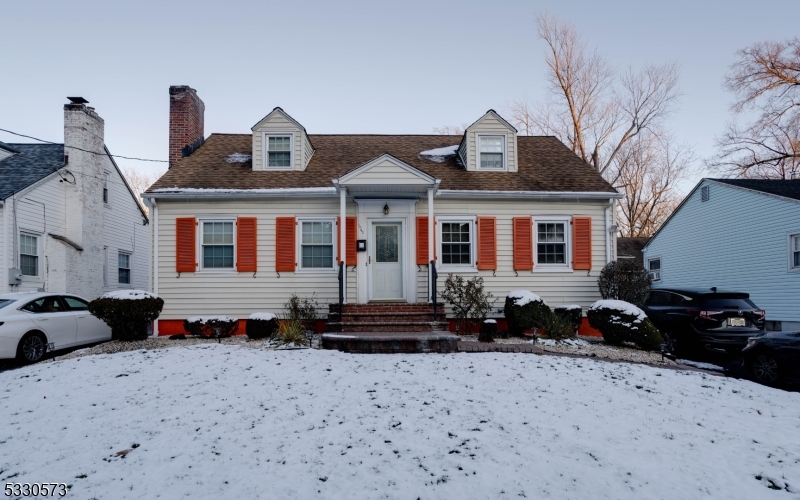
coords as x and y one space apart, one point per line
81 149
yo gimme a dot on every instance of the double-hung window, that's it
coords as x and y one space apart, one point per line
124 268
316 244
457 243
279 151
552 243
654 268
29 254
794 256
217 243
492 151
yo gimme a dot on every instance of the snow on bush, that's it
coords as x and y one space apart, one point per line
261 325
211 326
128 312
487 331
621 322
524 310
129 295
439 155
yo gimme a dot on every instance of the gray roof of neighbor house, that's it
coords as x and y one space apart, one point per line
631 248
545 164
778 187
31 163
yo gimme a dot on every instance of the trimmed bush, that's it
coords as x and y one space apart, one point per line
128 312
572 314
488 331
621 322
261 325
524 310
557 328
211 326
470 302
624 280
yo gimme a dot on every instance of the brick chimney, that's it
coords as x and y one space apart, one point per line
186 112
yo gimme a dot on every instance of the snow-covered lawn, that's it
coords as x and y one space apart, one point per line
220 421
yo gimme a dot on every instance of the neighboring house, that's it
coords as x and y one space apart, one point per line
631 249
68 220
242 221
735 234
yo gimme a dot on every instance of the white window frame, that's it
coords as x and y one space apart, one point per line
553 268
130 267
107 188
660 266
38 253
792 250
299 245
199 249
473 244
478 136
265 149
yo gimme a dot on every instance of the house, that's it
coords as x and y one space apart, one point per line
241 221
631 249
69 221
735 234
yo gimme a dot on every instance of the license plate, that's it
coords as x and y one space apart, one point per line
736 322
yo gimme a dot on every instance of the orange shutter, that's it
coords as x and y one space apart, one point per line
487 243
351 235
582 243
185 245
246 244
523 244
422 241
284 244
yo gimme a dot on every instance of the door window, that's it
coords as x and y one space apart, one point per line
76 304
386 244
44 305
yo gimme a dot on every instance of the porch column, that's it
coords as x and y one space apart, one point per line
430 243
343 236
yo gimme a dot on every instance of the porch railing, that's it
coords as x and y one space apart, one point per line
433 277
341 289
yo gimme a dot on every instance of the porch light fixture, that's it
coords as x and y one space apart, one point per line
386 209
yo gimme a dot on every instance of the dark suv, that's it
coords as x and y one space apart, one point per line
691 318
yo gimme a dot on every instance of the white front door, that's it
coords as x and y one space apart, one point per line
387 261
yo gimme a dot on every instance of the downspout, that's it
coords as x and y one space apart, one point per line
6 264
610 205
154 260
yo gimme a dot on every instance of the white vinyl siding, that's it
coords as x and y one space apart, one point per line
276 124
738 240
487 126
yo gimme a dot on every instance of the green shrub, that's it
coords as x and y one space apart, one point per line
303 310
621 322
261 325
211 326
128 312
290 332
470 302
557 327
488 331
524 310
624 280
572 314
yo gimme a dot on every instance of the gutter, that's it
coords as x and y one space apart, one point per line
529 195
219 194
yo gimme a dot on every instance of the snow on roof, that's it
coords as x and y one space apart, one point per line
263 316
238 158
129 295
523 297
439 154
621 306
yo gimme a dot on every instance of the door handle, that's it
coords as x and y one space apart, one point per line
82 316
43 319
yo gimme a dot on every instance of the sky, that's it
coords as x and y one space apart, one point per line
349 67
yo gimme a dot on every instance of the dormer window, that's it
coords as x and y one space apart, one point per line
279 151
492 149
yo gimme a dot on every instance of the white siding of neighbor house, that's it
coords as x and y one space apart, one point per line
240 294
488 125
556 288
737 240
278 122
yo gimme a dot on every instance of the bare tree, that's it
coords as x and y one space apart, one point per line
592 109
139 181
451 129
648 170
766 81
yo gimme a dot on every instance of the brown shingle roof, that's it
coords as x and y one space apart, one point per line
545 164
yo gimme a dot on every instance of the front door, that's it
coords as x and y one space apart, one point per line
387 261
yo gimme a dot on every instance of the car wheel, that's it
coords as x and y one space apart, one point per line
31 347
765 368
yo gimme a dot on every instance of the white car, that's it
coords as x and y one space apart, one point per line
32 323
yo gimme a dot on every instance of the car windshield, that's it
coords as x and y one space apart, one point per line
722 304
5 302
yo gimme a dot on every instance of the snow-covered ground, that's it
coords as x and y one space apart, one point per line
221 421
